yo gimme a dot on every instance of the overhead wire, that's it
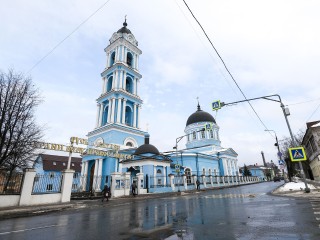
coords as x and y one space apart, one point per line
64 39
224 64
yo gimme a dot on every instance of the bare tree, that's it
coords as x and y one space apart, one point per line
18 130
287 143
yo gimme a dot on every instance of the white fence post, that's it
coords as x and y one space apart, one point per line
66 185
27 186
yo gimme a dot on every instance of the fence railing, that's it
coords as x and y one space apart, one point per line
159 181
10 184
84 183
47 183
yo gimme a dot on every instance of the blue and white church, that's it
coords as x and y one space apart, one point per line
128 155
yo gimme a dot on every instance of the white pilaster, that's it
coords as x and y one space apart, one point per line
97 115
100 115
124 111
116 81
119 110
137 62
121 79
108 60
124 80
109 111
135 115
139 106
113 109
113 80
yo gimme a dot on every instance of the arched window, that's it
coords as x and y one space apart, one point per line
210 172
112 58
109 85
194 135
105 115
129 85
202 134
129 144
188 175
129 59
159 171
203 171
128 119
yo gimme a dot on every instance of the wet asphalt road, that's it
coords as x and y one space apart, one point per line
246 212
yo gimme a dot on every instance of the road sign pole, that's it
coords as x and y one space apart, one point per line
307 190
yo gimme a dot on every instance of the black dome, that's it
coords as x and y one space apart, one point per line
200 116
146 148
124 29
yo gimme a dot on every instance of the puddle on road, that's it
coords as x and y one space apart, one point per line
165 233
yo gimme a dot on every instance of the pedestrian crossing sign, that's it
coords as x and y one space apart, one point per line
216 105
297 154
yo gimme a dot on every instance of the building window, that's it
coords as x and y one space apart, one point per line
202 134
159 181
74 186
159 171
52 175
112 58
49 187
129 144
188 175
194 135
211 133
75 175
210 172
129 59
203 171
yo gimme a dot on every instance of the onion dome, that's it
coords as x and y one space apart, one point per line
146 148
200 116
124 29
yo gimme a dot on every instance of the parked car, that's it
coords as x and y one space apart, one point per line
276 179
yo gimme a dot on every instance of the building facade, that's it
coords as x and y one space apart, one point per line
311 141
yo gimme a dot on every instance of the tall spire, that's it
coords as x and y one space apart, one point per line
198 108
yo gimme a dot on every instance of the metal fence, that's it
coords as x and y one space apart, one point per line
84 183
159 181
10 184
47 183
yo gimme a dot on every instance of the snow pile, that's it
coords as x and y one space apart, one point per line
294 186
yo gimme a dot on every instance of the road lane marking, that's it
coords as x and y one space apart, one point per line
28 229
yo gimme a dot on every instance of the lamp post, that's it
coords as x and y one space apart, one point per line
279 154
178 139
286 113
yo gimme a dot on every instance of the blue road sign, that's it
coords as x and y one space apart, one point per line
297 154
216 105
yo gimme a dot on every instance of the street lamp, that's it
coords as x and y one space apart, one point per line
276 144
286 113
178 139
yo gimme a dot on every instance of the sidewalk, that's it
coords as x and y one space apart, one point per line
296 189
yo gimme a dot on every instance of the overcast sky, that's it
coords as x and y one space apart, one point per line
270 47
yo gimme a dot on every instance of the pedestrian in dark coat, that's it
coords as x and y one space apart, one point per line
198 184
105 193
134 188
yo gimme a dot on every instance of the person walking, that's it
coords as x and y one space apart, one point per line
198 184
134 188
106 193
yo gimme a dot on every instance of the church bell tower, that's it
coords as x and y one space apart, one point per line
118 106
